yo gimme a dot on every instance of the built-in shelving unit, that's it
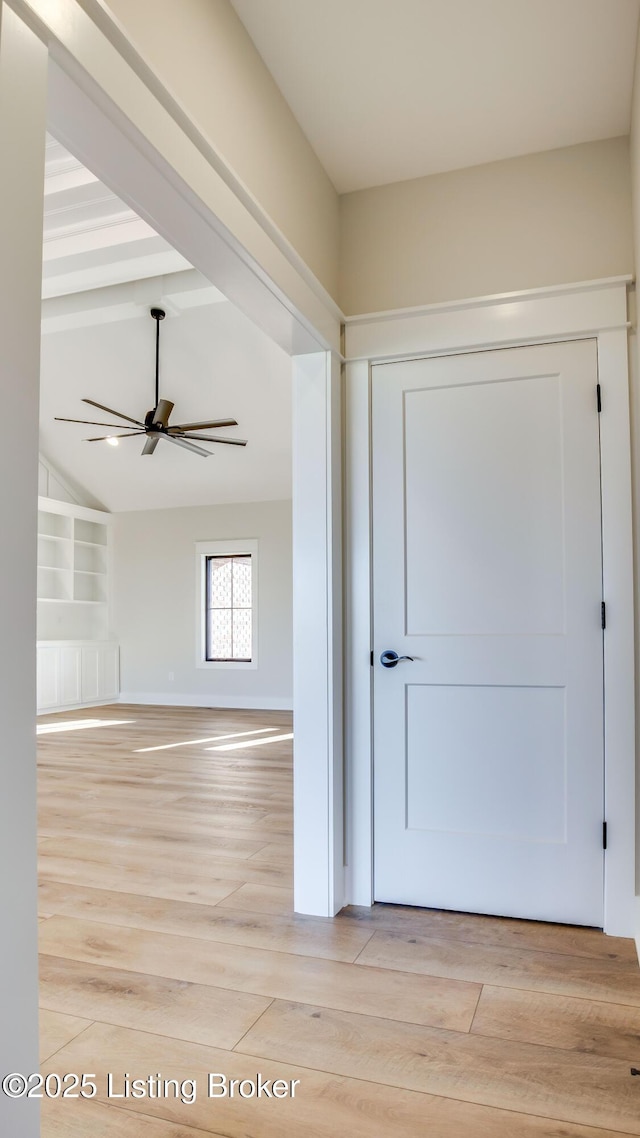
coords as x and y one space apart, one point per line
77 660
73 572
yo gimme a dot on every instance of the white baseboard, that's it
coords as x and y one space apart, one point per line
180 699
62 707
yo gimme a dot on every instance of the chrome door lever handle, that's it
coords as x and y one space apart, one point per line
389 659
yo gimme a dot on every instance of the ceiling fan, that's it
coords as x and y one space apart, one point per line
156 422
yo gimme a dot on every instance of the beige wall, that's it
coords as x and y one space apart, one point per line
550 218
155 573
202 54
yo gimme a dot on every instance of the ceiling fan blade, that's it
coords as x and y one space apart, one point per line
91 423
215 439
101 438
162 412
205 426
186 445
110 411
151 444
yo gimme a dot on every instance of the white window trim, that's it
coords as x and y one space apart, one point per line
230 548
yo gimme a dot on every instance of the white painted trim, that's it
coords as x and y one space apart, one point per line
619 642
595 309
58 710
107 107
70 509
23 93
180 699
539 316
358 636
114 32
317 636
228 548
491 299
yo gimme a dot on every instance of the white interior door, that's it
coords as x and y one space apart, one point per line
487 562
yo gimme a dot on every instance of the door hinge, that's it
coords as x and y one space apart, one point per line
371 659
604 835
599 397
603 615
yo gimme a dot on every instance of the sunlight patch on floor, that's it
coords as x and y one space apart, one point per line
79 725
197 742
252 743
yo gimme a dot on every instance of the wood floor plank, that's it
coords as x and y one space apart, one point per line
505 932
57 1028
560 1021
422 1000
195 1012
65 1118
156 850
276 853
513 1076
160 827
306 936
191 870
260 899
207 890
123 818
325 1106
613 981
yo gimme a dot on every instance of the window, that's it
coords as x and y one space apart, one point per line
229 608
226 597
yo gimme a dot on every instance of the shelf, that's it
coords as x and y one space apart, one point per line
56 526
67 601
73 572
92 533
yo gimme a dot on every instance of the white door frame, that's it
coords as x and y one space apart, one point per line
111 110
23 64
597 310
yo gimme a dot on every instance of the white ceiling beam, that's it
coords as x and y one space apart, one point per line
128 301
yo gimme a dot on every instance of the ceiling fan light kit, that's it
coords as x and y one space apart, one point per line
155 424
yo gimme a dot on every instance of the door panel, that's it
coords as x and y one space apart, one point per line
48 676
461 743
462 578
90 673
70 674
488 770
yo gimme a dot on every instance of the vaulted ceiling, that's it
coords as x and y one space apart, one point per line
104 268
387 90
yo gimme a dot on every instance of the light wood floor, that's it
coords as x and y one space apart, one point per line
169 947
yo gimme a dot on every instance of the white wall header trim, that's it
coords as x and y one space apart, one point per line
567 311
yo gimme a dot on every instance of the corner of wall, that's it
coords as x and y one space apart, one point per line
52 483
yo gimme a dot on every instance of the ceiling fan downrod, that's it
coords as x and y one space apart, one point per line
157 314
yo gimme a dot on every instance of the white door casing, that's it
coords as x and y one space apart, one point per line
487 570
591 309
